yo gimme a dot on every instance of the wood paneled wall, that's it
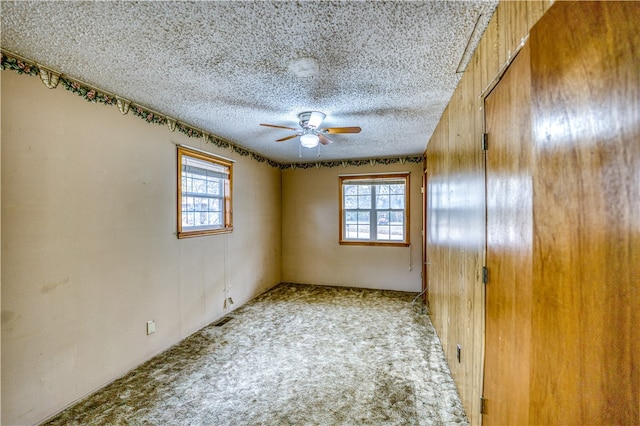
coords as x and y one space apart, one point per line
456 205
583 254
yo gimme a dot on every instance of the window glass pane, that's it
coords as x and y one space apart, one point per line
382 218
213 187
364 189
383 232
200 186
396 189
363 232
397 201
382 201
363 217
350 202
214 219
350 190
351 217
397 232
351 231
382 189
364 202
203 218
396 218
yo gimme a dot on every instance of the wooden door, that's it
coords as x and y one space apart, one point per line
509 243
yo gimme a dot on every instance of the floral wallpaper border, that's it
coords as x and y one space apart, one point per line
52 79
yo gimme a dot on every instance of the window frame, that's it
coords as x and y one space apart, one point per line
227 210
376 179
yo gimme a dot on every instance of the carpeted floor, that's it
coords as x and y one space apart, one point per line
296 355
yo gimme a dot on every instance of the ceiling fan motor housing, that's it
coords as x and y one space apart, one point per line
311 119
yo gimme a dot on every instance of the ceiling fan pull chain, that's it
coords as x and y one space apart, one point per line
300 148
318 150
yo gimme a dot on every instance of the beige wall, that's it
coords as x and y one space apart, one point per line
310 249
89 251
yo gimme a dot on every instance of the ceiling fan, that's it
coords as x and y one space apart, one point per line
310 133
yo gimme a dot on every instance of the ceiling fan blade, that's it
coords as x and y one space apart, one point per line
324 140
342 130
287 138
277 127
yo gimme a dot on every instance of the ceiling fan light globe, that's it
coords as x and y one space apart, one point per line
309 140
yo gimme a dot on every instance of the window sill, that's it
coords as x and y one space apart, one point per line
204 232
376 243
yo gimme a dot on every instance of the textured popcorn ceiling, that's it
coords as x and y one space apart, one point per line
227 66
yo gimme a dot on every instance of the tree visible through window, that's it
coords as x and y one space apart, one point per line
204 194
374 209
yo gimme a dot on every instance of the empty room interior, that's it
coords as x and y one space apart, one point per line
320 212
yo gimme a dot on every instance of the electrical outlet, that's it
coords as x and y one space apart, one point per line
151 327
228 302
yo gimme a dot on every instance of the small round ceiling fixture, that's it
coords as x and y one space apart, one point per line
304 67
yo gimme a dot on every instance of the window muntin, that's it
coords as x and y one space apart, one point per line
204 194
374 209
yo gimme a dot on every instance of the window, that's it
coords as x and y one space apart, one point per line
204 194
374 209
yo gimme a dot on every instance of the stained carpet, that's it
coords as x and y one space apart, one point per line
296 355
